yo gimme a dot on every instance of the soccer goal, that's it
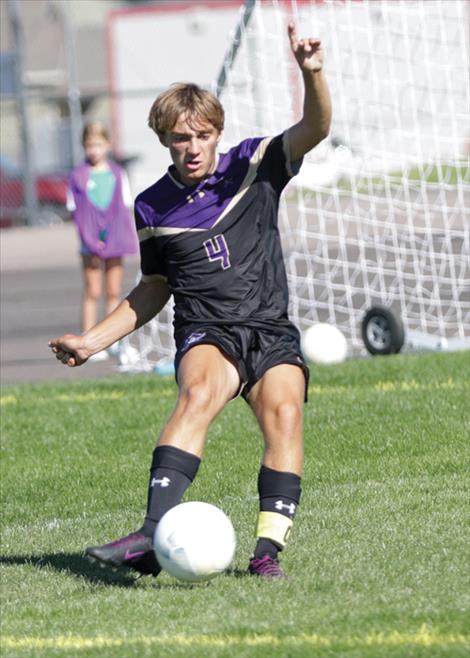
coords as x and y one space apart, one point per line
380 212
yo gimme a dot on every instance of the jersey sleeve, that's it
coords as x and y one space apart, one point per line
152 261
277 163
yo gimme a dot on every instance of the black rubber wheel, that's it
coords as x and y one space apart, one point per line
382 331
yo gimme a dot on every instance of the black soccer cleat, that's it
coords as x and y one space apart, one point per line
135 551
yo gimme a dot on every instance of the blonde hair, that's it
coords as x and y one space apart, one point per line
95 129
199 106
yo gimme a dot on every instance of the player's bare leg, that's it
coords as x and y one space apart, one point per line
277 400
207 381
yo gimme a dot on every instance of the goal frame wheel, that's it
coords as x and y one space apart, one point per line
382 331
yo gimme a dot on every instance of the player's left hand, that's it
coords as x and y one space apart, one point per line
307 52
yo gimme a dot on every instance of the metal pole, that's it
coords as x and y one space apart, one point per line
28 174
231 54
73 90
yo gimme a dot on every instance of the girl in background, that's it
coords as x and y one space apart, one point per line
100 200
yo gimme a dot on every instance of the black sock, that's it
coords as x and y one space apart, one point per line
266 547
279 492
171 473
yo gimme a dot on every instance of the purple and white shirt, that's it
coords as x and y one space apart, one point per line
114 222
217 243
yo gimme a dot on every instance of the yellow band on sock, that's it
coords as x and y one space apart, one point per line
274 526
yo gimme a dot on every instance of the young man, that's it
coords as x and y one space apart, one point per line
208 236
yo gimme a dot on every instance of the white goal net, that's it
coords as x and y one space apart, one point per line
379 214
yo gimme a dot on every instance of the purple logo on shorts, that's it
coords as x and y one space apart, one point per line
195 337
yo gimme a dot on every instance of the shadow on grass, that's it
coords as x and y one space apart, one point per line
75 564
78 565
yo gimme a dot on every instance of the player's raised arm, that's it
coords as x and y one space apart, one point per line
316 119
139 307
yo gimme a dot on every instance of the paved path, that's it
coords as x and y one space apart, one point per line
41 288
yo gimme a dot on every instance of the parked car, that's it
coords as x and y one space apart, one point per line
51 192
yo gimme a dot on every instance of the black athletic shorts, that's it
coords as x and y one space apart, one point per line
252 351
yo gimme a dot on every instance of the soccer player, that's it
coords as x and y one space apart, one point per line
209 236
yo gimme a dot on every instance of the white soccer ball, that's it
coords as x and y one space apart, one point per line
195 541
324 344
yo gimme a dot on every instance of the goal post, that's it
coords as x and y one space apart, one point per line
380 211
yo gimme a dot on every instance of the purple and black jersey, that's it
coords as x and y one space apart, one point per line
217 243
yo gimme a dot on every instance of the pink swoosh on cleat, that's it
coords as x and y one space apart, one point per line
130 556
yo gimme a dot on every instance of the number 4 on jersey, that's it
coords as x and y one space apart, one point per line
216 249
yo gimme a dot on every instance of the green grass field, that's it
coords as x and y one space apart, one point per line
378 558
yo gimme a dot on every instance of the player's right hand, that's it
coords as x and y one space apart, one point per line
70 350
307 52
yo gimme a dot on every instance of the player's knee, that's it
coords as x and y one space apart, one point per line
287 416
197 399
